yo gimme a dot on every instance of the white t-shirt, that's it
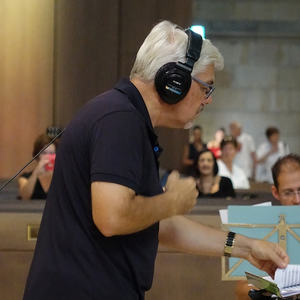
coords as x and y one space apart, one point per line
243 159
263 170
237 176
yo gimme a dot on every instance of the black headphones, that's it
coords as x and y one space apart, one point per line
173 80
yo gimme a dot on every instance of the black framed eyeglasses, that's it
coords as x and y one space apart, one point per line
210 87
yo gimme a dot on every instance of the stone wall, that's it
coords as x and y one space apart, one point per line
260 84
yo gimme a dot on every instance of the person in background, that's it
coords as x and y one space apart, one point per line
228 168
35 184
245 157
268 153
209 183
214 145
286 189
192 150
286 179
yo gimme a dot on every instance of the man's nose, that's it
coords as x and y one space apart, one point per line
208 100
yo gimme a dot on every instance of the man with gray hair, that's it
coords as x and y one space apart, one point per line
106 210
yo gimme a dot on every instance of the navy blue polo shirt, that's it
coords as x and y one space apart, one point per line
111 139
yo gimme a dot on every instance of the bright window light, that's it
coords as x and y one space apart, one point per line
199 29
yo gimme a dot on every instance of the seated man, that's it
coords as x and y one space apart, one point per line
286 189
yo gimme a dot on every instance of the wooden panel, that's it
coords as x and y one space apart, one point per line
13 273
14 230
136 20
26 34
86 48
181 276
172 141
177 11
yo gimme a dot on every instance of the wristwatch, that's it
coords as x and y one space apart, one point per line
229 244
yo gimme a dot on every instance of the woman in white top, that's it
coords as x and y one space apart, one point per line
268 153
226 166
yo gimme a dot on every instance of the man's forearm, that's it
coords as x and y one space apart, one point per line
27 188
186 235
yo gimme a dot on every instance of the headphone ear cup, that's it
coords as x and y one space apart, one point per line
172 83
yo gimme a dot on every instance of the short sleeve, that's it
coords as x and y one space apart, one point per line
116 150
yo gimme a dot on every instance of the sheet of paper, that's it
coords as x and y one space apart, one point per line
224 212
288 277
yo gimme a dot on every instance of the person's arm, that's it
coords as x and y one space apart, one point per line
26 186
117 210
186 161
185 235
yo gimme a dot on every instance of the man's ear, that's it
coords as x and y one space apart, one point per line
275 192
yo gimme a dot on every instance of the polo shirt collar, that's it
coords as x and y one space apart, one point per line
127 87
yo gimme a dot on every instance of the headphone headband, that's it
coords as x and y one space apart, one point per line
193 45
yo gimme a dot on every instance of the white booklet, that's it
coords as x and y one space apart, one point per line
286 282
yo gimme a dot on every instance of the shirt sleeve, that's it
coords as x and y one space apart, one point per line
116 151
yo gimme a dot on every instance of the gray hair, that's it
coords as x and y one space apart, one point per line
167 43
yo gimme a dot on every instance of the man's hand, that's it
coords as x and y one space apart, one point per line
183 191
267 256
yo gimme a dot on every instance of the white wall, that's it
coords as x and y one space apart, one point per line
260 84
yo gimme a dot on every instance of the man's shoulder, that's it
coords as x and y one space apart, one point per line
106 104
111 101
